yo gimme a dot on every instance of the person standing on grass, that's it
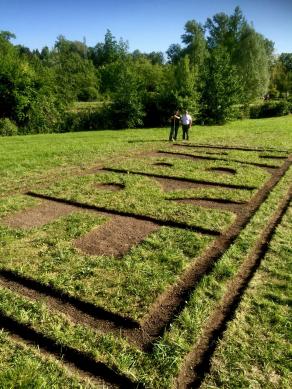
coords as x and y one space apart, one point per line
174 125
186 121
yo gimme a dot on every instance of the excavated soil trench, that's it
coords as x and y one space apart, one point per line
226 147
222 170
110 187
172 301
182 179
115 237
38 216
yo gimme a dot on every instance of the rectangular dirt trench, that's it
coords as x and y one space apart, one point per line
116 236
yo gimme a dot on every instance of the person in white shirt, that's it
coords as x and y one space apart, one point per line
186 121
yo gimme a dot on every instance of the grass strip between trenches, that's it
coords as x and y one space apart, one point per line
245 157
25 367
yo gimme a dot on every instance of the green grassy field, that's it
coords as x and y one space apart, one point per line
150 317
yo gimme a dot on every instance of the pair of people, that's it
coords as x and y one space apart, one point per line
175 120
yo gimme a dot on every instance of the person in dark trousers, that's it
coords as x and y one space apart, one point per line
186 121
174 125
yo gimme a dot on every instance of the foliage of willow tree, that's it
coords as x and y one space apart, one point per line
249 51
281 76
223 86
186 76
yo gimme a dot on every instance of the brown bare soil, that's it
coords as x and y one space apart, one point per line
182 179
227 147
105 211
163 164
79 311
171 184
80 360
46 212
71 367
168 184
272 157
115 237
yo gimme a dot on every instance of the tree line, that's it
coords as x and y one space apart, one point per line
219 69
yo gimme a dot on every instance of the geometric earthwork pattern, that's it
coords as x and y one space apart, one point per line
123 252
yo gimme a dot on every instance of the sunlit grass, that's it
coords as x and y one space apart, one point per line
25 367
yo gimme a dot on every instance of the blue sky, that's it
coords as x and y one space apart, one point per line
148 25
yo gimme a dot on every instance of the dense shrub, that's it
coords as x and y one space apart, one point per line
270 109
86 120
88 94
7 127
45 114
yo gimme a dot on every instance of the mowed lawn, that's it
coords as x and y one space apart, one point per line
65 168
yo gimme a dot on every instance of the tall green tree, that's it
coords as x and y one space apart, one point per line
174 53
186 90
252 62
281 76
222 87
109 51
224 30
126 110
75 74
249 51
196 45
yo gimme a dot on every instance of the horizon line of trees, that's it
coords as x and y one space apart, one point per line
219 66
